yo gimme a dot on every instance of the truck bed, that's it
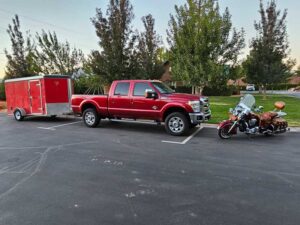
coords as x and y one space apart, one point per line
100 100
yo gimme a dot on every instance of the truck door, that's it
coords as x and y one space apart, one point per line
119 102
143 107
35 96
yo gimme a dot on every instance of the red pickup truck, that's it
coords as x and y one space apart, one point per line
144 99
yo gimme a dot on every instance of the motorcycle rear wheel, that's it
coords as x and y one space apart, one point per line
223 132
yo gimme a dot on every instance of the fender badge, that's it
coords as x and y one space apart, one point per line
154 107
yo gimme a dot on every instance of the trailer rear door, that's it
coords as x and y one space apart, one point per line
35 96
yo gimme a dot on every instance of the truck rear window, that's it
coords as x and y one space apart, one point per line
122 88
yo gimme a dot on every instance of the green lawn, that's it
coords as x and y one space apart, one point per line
220 106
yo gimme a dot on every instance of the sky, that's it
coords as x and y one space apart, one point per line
70 19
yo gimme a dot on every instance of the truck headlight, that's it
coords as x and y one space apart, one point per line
195 105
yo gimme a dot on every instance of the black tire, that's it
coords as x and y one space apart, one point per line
193 125
177 124
91 118
223 132
18 115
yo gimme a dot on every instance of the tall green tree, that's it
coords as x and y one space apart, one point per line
149 43
203 42
117 57
297 72
268 61
20 61
54 57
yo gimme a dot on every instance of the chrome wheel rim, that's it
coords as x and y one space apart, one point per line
18 115
176 124
90 118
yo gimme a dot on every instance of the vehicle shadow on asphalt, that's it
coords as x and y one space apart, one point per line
139 127
212 133
48 120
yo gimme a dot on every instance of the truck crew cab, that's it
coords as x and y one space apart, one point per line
144 99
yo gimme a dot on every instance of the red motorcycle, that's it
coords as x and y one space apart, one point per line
250 120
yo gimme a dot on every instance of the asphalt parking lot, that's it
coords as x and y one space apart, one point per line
60 172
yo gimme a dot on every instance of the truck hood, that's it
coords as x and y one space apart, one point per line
181 97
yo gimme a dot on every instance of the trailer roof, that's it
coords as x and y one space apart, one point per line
37 77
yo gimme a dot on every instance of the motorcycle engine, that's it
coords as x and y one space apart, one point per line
252 122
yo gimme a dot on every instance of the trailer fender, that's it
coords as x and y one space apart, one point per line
23 112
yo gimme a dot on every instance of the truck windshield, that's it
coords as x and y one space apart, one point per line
162 88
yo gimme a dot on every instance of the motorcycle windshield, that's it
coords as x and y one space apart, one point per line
248 100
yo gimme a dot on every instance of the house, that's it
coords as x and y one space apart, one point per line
294 80
239 82
167 76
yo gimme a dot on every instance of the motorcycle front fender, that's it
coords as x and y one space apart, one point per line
229 123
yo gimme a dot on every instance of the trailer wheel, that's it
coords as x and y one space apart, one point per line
177 124
18 115
91 117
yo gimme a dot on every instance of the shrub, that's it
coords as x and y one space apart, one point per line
2 92
235 90
184 89
279 87
217 91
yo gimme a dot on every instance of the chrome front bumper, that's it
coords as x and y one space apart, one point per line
197 118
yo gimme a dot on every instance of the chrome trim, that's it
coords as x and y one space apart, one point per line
194 117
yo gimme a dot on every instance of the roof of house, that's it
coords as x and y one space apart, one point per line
238 82
294 79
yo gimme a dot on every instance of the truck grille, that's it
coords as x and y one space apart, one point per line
204 105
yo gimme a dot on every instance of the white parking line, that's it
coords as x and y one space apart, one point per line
62 125
186 140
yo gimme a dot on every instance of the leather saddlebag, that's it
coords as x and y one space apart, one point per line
267 118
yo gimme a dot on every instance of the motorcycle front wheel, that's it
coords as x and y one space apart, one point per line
224 132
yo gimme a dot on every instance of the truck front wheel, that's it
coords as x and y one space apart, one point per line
91 117
177 124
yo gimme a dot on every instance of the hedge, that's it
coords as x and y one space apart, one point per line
216 91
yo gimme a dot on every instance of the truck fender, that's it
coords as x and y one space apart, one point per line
170 107
91 102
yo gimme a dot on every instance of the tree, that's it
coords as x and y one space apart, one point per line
149 49
117 57
268 61
203 42
297 72
20 62
54 57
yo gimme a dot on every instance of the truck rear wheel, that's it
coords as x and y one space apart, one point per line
18 115
177 124
91 118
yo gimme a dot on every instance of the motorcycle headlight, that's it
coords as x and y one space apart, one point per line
195 105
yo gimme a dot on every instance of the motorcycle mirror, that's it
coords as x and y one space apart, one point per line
231 110
260 107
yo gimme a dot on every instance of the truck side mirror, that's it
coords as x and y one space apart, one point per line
150 94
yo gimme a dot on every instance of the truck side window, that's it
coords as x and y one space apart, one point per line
140 88
122 88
